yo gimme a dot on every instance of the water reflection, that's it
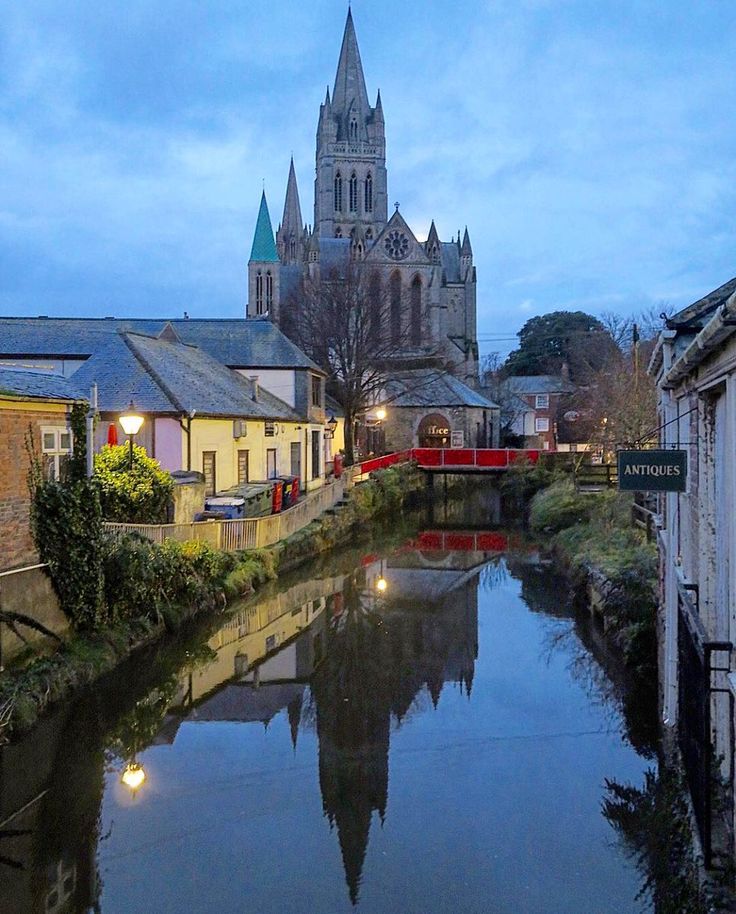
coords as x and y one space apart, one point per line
351 658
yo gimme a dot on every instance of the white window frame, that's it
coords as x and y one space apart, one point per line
541 424
541 401
52 455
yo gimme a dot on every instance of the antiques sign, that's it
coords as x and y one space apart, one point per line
652 471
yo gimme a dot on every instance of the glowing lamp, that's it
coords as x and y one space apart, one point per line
381 585
380 414
133 776
131 421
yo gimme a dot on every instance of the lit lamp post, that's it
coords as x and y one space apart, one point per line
131 422
133 776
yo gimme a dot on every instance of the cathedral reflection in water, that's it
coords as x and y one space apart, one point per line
350 656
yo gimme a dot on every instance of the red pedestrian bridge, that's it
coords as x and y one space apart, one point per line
453 460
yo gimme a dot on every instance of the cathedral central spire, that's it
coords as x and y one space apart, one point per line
350 198
350 93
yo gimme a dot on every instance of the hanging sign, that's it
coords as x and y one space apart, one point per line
652 471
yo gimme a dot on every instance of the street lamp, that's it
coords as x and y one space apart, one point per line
131 422
331 426
381 585
380 414
133 776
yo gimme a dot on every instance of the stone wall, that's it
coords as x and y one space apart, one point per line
402 424
29 592
16 545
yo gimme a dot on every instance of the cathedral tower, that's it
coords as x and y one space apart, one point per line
264 268
350 193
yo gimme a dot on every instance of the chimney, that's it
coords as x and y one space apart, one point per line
254 381
565 372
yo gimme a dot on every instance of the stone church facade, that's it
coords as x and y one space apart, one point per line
429 286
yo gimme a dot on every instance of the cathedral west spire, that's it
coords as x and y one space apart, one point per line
290 236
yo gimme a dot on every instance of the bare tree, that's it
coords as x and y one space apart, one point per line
496 387
353 324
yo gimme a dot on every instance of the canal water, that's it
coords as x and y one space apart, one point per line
419 725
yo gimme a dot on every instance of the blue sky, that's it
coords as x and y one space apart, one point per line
588 145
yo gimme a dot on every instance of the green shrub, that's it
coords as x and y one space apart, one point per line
139 495
143 579
524 479
560 506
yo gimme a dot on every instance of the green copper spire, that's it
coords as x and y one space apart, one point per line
264 246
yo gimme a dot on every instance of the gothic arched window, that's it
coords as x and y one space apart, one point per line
369 234
353 129
374 304
269 290
369 194
395 299
292 247
416 311
338 193
259 292
338 232
353 193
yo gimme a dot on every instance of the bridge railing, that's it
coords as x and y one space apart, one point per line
437 457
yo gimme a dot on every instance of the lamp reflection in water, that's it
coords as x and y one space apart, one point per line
133 777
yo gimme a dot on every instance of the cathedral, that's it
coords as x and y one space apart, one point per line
429 285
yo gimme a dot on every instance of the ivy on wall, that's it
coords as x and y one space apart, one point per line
66 521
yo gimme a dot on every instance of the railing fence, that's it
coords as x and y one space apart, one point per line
698 665
246 533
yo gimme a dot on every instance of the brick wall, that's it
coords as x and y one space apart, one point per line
16 545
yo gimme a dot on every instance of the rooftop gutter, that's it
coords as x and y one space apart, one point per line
718 329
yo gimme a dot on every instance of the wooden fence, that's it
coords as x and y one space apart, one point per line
248 533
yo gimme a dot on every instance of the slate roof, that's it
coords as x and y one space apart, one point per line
450 260
698 312
166 377
264 245
236 343
431 387
539 384
334 254
36 385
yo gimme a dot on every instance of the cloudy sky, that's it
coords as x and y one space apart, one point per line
587 144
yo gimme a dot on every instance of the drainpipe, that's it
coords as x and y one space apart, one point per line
91 415
187 429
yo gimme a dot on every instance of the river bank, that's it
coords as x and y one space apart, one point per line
157 589
613 571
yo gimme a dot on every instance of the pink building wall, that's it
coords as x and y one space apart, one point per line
168 444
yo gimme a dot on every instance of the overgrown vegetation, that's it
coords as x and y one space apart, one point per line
592 532
137 495
66 521
524 479
654 824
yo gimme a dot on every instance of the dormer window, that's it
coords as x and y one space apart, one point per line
353 193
